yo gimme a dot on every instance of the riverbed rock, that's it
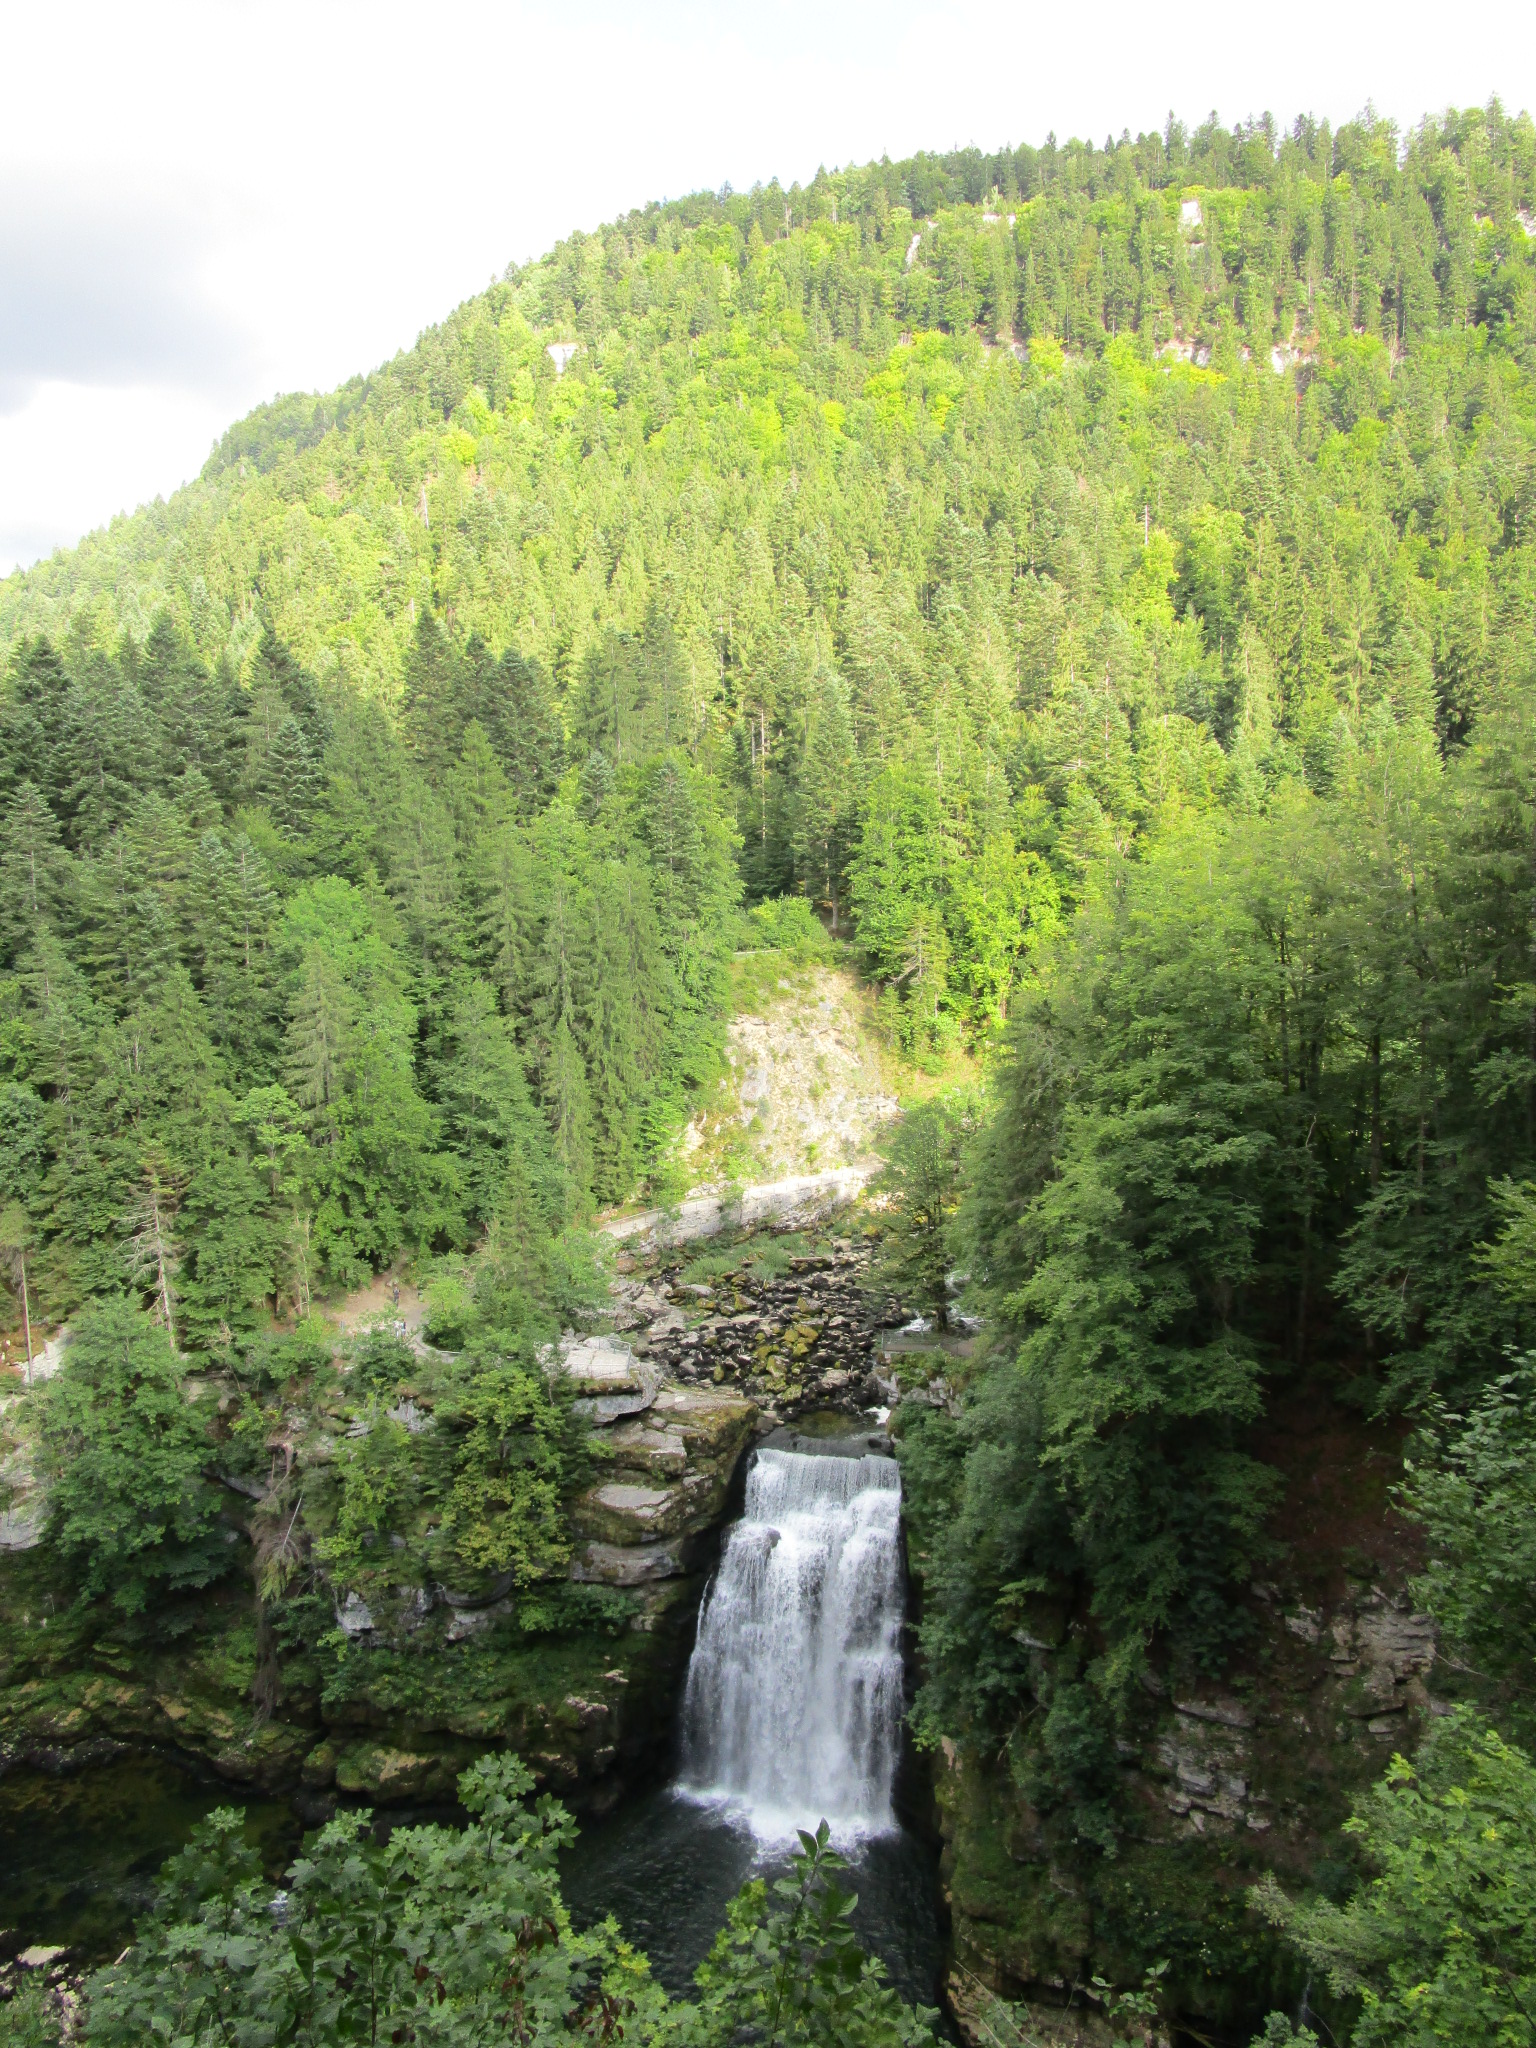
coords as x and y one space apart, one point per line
812 1337
671 1474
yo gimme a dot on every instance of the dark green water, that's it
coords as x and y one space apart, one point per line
79 1853
666 1869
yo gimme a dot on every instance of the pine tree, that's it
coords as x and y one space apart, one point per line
501 891
152 1248
235 910
34 871
429 706
319 1038
567 1101
488 1113
825 814
288 784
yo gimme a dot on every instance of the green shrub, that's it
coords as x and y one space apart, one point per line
787 924
458 1936
1441 1945
130 1507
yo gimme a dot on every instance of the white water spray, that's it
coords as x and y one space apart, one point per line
793 1705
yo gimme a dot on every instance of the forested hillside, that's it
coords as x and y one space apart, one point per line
885 526
1103 582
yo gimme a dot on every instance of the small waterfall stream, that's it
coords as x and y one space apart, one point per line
793 1705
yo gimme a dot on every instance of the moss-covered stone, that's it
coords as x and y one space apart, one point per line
376 1771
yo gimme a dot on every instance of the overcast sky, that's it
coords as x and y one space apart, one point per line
206 204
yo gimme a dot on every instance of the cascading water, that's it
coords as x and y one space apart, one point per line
793 1704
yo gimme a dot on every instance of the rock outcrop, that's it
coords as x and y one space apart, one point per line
582 1678
808 1339
1218 1785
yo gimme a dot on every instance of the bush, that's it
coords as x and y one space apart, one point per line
1471 1482
460 1936
1441 1946
787 924
129 1507
450 1312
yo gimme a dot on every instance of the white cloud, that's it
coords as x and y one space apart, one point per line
74 454
226 198
105 287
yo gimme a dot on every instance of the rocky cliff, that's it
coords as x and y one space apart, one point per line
1219 1780
406 1687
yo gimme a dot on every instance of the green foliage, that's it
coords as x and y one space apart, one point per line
448 1933
268 1031
1119 625
1280 2032
939 625
1471 1483
378 1487
1247 1118
787 924
459 1935
710 1266
380 1362
793 1973
1510 1260
450 1311
28 2018
920 1185
512 1472
125 1451
1439 1946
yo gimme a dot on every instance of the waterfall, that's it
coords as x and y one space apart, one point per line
793 1704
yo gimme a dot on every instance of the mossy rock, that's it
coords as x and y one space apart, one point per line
379 1771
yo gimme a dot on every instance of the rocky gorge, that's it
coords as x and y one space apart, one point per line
701 1355
417 1679
698 1360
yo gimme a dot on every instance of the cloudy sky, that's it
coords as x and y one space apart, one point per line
205 204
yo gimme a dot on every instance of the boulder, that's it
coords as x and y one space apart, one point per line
619 1513
612 1382
640 1447
376 1770
640 1564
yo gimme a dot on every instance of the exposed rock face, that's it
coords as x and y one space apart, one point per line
1218 1785
646 1531
432 1675
670 1477
790 1204
23 1503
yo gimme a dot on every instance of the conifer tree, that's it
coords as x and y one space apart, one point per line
34 871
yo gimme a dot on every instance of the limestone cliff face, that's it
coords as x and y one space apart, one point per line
416 1679
421 1681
